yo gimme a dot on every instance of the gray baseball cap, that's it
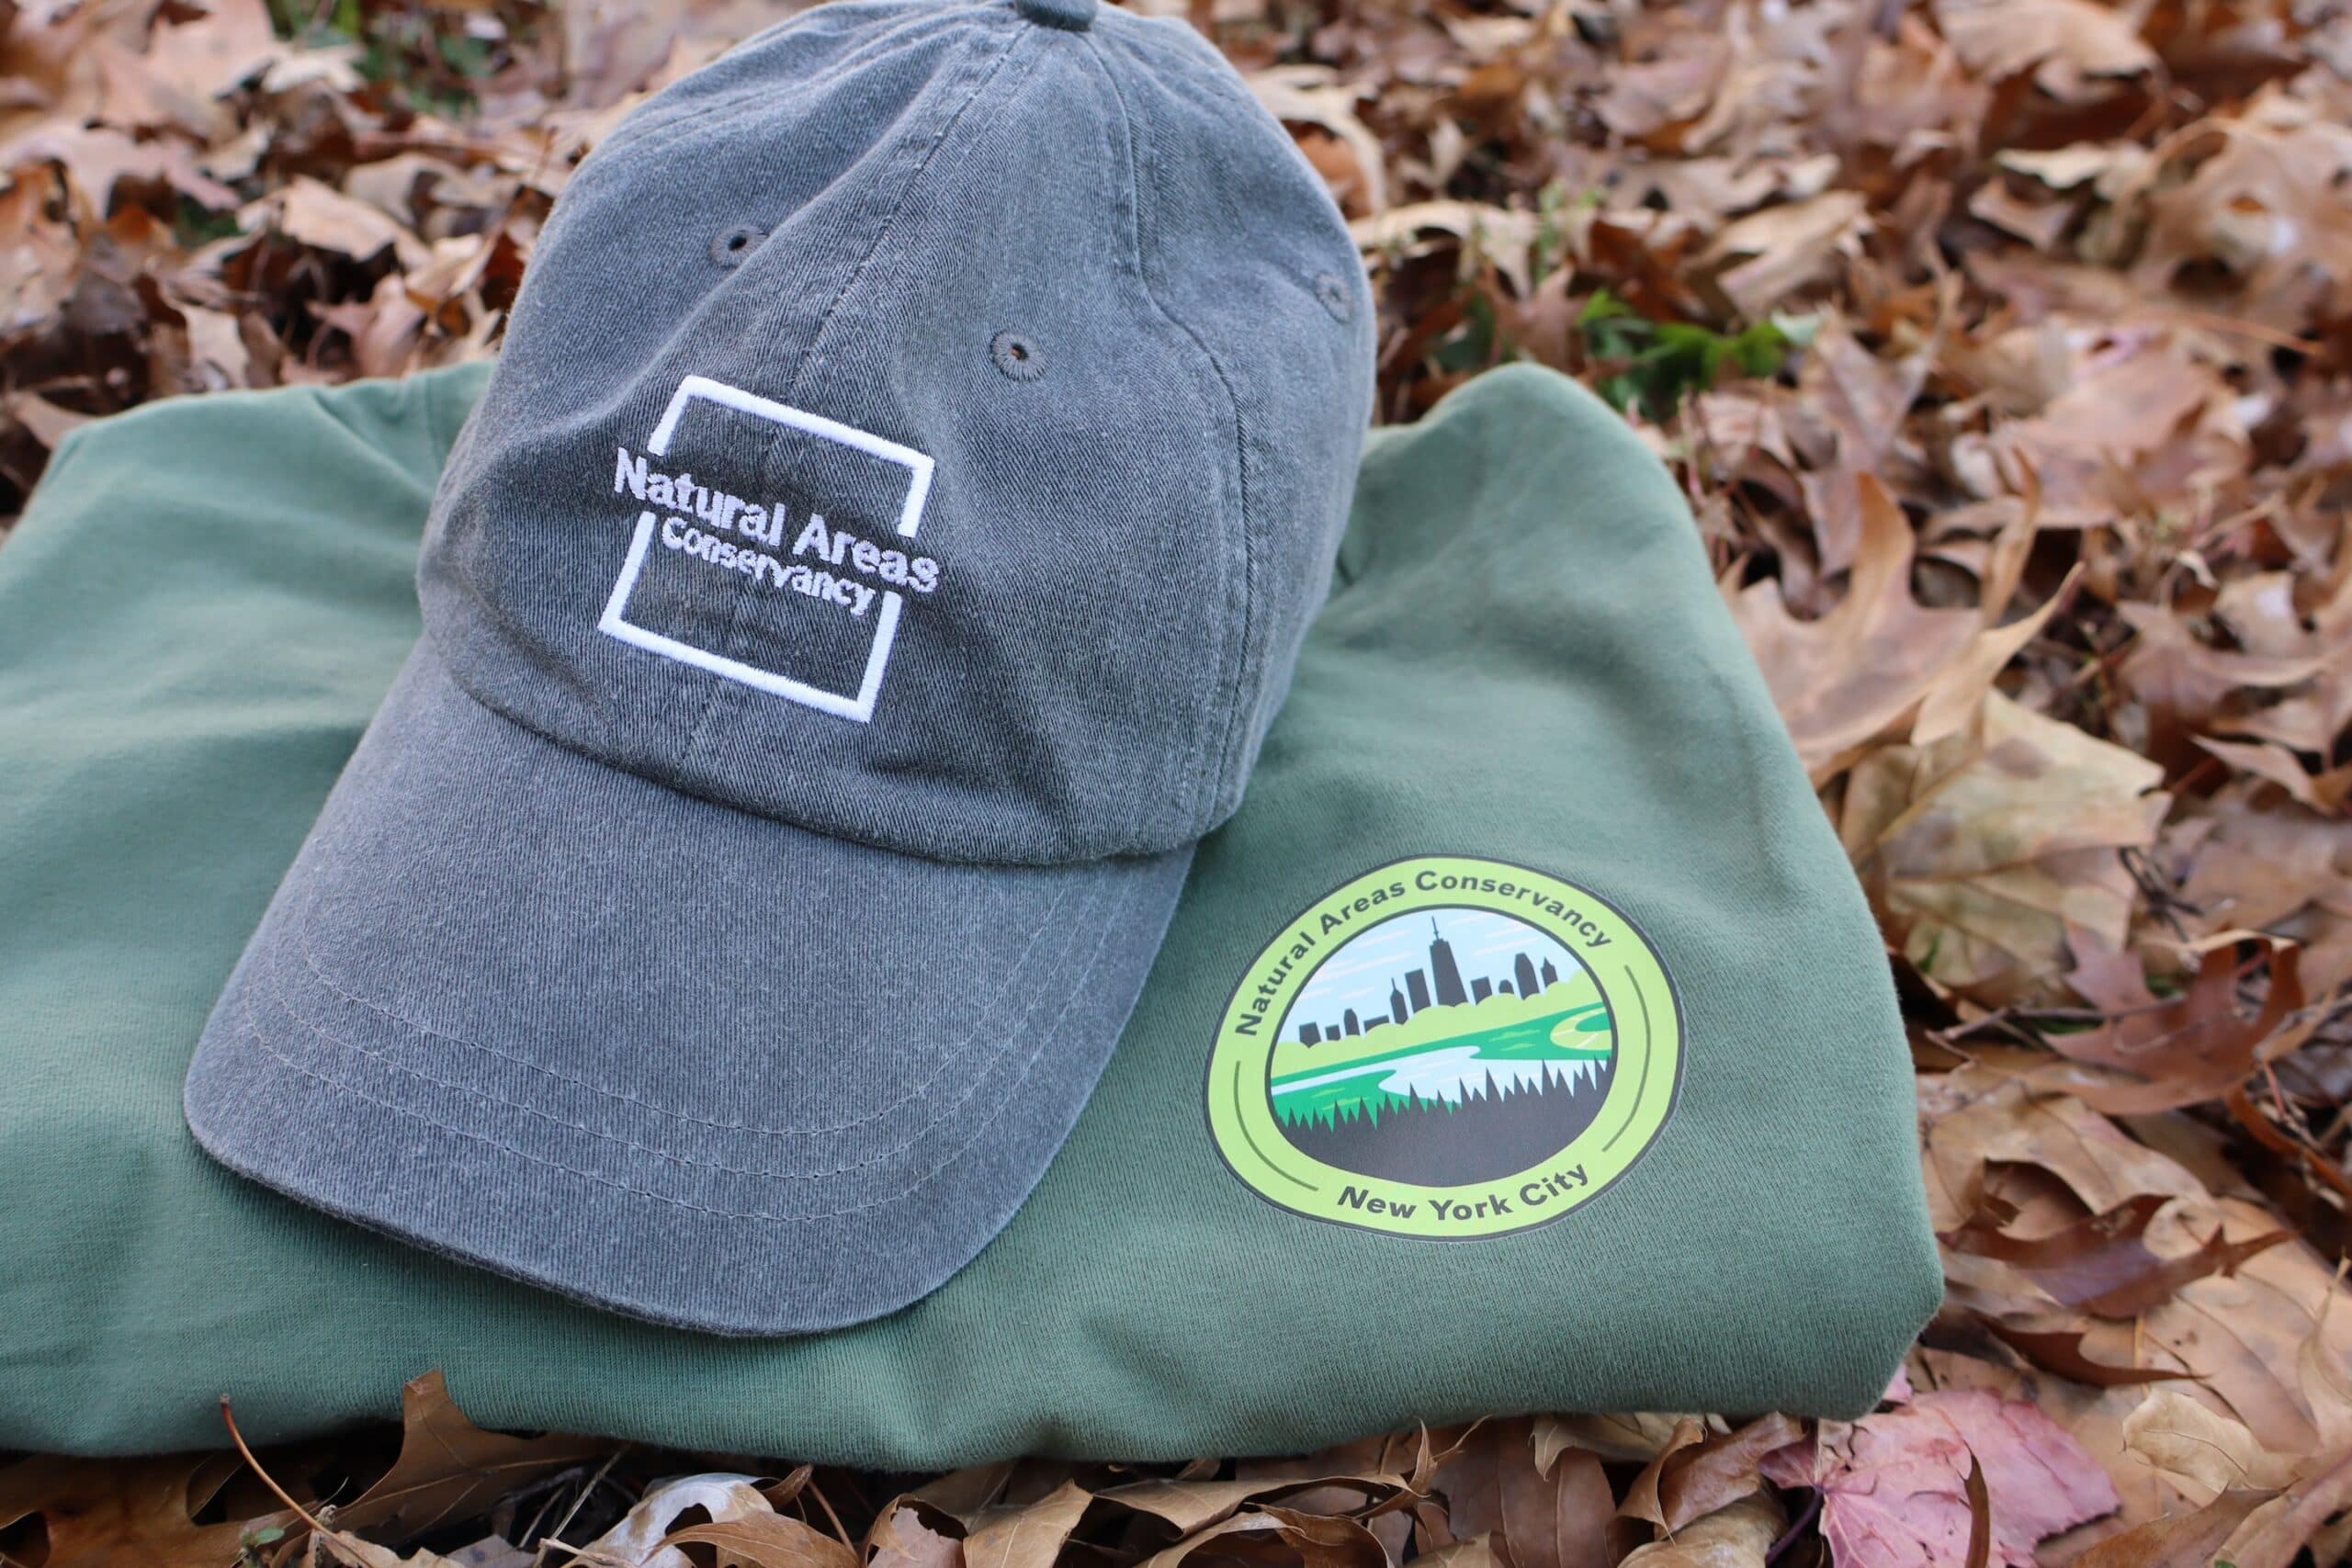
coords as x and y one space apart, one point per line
919 445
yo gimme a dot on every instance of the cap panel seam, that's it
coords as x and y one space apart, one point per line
716 691
946 1161
1258 642
620 154
629 140
497 717
490 1098
1175 51
1235 652
300 943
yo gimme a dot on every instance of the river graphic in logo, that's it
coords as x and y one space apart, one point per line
1445 1047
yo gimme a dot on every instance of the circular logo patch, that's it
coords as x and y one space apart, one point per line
1445 1048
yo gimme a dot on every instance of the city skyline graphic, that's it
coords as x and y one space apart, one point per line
1428 958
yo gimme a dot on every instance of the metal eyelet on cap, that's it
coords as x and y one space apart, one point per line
1017 357
1069 16
1333 290
729 247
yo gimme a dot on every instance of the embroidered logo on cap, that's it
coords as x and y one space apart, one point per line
1445 1048
778 548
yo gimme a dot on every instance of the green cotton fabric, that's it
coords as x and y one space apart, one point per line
1523 659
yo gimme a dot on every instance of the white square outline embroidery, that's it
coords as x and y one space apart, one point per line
613 623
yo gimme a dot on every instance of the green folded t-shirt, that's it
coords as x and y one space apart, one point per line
1524 1042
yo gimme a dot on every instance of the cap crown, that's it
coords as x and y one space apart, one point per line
922 426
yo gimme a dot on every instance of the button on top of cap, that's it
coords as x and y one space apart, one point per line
1070 16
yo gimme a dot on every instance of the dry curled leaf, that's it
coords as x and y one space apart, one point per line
1844 680
1689 1480
2101 1263
448 1468
95 1513
1895 1485
1984 851
2158 1054
2200 1450
1551 1516
2065 44
2191 1538
758 1540
2060 1350
1738 1536
1027 1536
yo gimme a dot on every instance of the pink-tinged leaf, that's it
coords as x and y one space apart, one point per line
1895 1485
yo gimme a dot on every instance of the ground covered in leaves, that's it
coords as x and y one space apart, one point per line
2002 348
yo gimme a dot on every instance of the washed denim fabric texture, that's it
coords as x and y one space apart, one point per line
919 444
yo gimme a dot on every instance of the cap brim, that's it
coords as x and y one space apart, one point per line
693 1064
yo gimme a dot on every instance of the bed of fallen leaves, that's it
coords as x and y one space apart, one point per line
2004 348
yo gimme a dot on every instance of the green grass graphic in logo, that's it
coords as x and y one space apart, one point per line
1457 1093
1445 1047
